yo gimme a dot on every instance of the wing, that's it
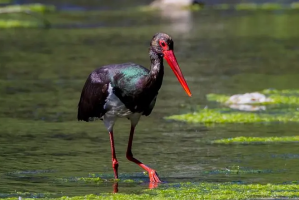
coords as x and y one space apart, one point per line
149 109
93 96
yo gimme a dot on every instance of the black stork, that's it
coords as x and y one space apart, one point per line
128 90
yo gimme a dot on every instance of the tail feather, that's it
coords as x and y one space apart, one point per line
83 111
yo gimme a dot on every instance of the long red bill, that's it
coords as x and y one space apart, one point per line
171 60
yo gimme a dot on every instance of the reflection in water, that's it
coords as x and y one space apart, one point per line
115 187
151 185
248 101
180 19
248 98
173 3
43 71
245 107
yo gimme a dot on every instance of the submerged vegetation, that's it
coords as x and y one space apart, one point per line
18 24
238 6
285 97
34 10
40 8
225 116
288 97
201 191
42 76
5 1
257 6
250 140
237 170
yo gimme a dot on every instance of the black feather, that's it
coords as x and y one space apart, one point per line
93 96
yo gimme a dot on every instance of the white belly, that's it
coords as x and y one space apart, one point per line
114 106
116 109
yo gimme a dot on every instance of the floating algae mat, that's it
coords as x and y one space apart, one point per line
220 116
237 170
199 191
18 24
33 10
5 1
257 6
287 97
41 8
249 140
100 178
235 6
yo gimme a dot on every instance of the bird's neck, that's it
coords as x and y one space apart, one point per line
157 69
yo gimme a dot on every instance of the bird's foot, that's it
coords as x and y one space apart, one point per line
153 185
154 179
153 176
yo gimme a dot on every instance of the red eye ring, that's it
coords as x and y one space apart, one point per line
164 45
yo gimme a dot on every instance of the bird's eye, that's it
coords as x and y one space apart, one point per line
164 45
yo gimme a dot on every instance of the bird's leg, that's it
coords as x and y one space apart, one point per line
114 160
115 187
153 176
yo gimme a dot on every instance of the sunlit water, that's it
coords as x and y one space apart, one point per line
43 72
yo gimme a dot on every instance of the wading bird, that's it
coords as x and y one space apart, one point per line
128 90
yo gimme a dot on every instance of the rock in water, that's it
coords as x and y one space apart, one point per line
171 3
248 98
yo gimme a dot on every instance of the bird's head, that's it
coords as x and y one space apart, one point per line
162 45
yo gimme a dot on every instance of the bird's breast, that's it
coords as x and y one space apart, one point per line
114 106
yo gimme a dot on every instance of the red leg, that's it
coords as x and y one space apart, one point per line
115 187
153 176
114 160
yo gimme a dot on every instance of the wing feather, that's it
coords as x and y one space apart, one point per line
93 96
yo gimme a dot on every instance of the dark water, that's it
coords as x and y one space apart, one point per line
42 73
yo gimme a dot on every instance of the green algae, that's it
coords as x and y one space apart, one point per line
195 7
246 6
295 5
262 6
31 9
220 98
273 91
96 180
237 170
222 6
271 6
99 179
18 24
40 8
225 6
216 116
5 1
199 191
47 66
257 6
287 97
250 140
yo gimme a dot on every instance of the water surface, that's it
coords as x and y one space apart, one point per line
43 72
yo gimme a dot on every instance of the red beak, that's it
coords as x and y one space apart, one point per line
171 59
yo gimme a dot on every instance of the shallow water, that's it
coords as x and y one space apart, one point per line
43 72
